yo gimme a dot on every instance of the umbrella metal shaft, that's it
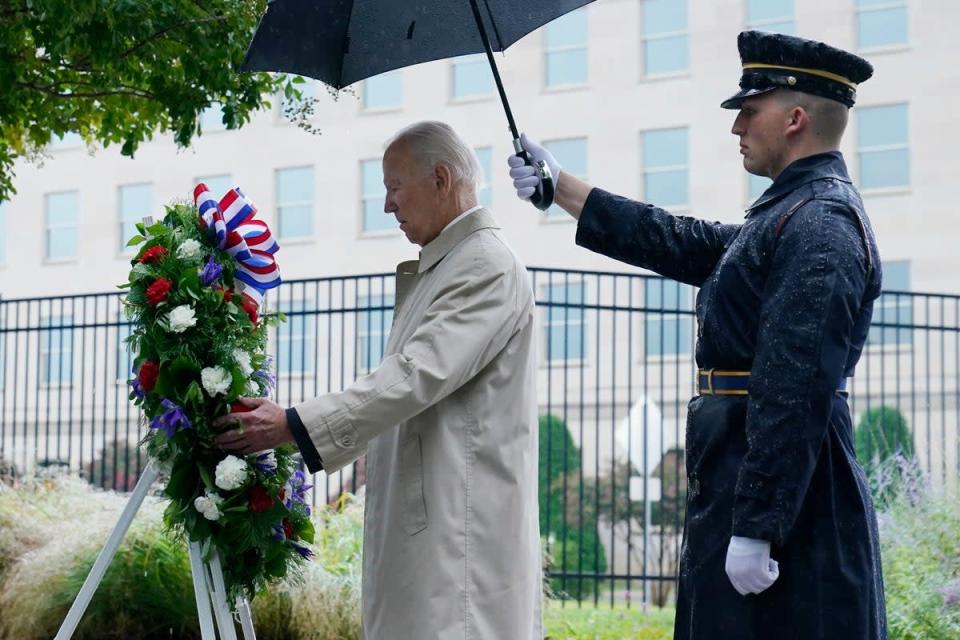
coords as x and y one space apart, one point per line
493 67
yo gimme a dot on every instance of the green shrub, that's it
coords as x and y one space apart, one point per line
920 546
881 435
117 466
568 524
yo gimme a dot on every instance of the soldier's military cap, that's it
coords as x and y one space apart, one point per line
777 61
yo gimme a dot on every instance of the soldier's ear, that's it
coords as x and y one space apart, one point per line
798 120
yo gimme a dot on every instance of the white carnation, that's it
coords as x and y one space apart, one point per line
231 473
189 249
242 359
253 389
181 318
209 505
215 380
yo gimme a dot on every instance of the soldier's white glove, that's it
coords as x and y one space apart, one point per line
749 566
524 176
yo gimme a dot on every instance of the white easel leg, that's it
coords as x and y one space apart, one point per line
201 590
219 596
246 619
95 576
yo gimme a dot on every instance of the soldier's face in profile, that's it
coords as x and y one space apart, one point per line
761 126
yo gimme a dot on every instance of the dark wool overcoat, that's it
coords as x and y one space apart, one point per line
787 295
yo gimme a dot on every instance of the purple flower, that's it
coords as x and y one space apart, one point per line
210 272
302 549
137 388
171 419
276 532
268 379
951 593
266 462
297 488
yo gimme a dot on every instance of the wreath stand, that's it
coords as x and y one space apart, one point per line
208 585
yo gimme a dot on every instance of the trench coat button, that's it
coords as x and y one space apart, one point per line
347 441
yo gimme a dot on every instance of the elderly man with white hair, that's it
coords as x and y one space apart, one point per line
448 420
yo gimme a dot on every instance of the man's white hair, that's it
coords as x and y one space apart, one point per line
433 142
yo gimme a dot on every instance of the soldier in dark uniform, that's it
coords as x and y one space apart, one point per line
780 538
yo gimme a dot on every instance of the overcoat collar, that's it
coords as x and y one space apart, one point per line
453 235
803 171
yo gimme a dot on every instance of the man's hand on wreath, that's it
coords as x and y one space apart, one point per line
254 424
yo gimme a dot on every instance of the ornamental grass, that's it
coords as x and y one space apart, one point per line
53 529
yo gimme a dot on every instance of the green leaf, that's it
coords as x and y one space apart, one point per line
205 476
307 531
183 481
135 240
189 282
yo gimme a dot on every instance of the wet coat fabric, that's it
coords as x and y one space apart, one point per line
787 295
451 547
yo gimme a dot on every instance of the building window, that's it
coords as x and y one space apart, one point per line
485 158
668 331
564 322
771 15
295 337
61 232
565 50
572 156
881 23
56 350
883 151
373 196
893 310
373 327
136 203
472 77
756 185
211 118
384 91
665 169
217 185
295 202
665 39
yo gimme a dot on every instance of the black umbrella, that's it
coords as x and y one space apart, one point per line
340 42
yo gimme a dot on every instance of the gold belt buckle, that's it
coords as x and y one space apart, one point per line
710 391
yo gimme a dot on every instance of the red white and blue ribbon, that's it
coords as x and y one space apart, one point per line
248 240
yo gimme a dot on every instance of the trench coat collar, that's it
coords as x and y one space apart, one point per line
803 171
451 236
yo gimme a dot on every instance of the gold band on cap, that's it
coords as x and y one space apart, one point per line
813 72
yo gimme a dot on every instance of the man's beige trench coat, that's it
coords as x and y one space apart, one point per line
448 421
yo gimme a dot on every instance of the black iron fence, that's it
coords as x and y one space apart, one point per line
615 375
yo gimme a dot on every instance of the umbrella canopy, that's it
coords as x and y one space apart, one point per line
344 41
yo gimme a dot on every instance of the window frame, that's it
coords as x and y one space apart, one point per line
279 206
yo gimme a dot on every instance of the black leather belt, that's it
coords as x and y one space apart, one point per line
717 382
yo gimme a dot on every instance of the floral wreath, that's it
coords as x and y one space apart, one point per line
194 295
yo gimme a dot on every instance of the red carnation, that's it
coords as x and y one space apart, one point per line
260 500
239 407
287 528
149 372
158 291
227 293
153 254
252 308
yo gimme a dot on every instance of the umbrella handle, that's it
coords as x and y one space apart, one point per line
544 192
